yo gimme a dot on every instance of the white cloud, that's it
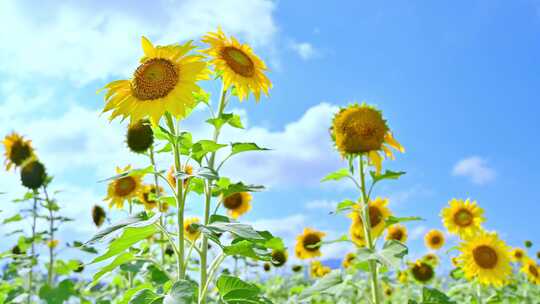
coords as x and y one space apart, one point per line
418 232
305 50
476 169
321 205
85 41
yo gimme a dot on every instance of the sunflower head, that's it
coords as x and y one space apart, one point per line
238 65
528 244
431 258
190 231
124 188
318 270
98 215
538 255
33 175
163 82
463 218
296 268
486 258
139 136
378 213
403 277
149 197
455 262
169 251
188 169
237 204
434 239
308 244
388 291
348 260
267 267
17 150
397 232
358 236
531 269
279 257
422 272
518 255
52 243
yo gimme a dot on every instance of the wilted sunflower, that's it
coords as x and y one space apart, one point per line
360 129
139 136
279 257
148 197
422 272
98 215
518 255
378 213
348 260
308 244
434 239
532 270
318 270
486 258
237 204
164 82
33 174
17 150
188 169
463 217
431 258
190 231
239 65
397 232
124 188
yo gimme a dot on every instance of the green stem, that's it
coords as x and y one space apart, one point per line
478 294
161 236
375 292
129 274
208 196
33 248
50 275
212 271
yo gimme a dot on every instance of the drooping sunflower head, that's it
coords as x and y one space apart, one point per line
531 269
17 150
434 239
149 197
422 272
486 258
237 204
463 218
308 244
378 213
297 268
139 136
360 129
163 82
431 258
123 188
397 232
279 257
98 215
518 255
238 65
348 260
190 231
33 174
267 267
318 270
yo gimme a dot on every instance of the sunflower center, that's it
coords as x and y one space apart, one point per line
533 270
485 256
422 272
435 240
311 242
238 61
278 258
233 201
397 235
375 216
125 186
154 79
191 229
359 129
518 254
19 152
463 218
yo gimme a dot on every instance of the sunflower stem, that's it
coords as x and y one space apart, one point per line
161 236
33 248
50 275
208 199
375 292
479 294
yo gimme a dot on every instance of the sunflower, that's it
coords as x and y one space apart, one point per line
397 232
434 239
463 218
455 262
140 136
388 291
378 213
538 255
403 277
532 270
358 236
279 257
296 268
237 204
267 267
33 174
361 129
308 244
486 258
518 255
52 243
431 258
17 150
98 215
124 188
148 197
348 260
318 270
528 244
239 65
190 231
188 169
164 82
422 272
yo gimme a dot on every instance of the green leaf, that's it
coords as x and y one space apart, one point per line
146 296
337 175
247 249
240 230
59 294
236 188
345 205
457 273
233 290
201 96
15 218
244 147
119 260
185 142
330 280
133 172
130 292
386 175
182 292
390 255
391 220
202 147
434 296
140 219
83 247
161 133
202 172
157 275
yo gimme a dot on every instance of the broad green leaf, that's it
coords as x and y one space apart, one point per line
434 296
231 189
202 147
391 220
119 260
247 249
83 247
59 294
130 292
129 237
240 230
157 275
138 220
146 296
185 142
182 292
337 175
133 172
386 175
244 147
330 280
390 255
203 172
343 206
233 290
15 218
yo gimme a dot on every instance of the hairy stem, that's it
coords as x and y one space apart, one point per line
33 248
50 275
161 236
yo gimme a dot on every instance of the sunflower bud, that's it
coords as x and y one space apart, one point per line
528 244
98 215
140 136
296 268
266 267
279 258
33 175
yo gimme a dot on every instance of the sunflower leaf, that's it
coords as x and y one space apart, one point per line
133 172
337 175
244 147
386 175
202 147
330 280
391 220
434 296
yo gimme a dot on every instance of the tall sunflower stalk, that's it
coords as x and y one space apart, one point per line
50 205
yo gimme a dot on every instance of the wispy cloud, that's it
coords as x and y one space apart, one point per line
476 169
305 50
321 205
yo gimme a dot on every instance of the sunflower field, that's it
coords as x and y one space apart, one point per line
151 247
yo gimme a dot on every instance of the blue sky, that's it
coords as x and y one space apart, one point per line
458 82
